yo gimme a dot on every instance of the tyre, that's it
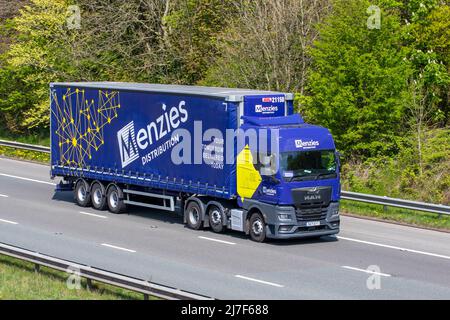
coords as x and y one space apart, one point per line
98 196
81 193
114 199
194 215
216 218
257 227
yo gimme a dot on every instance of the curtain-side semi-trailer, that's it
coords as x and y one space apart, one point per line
235 159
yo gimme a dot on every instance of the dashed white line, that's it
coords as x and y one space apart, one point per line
3 196
26 179
8 221
118 248
259 281
217 240
395 248
93 215
367 271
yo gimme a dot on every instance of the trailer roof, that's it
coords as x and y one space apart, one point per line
231 94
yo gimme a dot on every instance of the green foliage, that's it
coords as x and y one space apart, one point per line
358 80
39 55
430 38
400 176
409 217
192 40
265 46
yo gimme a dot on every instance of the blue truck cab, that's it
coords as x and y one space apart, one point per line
299 194
230 158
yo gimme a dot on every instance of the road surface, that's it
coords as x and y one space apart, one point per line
367 260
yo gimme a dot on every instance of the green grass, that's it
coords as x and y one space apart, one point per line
19 281
411 217
25 154
39 139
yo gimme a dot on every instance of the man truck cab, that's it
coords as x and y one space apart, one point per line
298 195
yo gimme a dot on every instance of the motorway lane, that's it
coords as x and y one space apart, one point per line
164 251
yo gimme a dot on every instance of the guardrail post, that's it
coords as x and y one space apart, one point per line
89 284
146 297
37 268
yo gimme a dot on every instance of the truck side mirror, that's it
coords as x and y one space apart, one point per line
338 158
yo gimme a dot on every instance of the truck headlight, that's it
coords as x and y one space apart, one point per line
284 216
335 212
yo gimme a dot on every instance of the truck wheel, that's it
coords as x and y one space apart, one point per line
216 218
257 227
81 193
114 199
98 196
194 215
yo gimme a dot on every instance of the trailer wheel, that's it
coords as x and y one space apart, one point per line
114 199
81 193
216 218
257 227
98 196
194 215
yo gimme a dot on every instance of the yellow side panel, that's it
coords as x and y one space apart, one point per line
248 178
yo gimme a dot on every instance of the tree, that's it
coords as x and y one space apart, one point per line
429 36
359 78
193 28
38 55
266 45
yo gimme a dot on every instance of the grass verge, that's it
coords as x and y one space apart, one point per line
38 139
25 154
19 281
410 217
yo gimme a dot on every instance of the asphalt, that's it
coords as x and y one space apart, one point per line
367 260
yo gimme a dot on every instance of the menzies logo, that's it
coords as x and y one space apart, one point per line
265 109
127 144
130 143
311 144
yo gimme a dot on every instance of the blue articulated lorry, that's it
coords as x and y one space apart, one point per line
228 158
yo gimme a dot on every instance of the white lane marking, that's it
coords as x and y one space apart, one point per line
26 179
93 215
118 248
3 196
367 271
216 240
8 221
396 248
259 281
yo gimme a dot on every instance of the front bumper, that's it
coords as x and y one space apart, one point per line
294 228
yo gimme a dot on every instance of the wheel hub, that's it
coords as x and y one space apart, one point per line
216 217
82 193
98 196
257 227
194 216
114 199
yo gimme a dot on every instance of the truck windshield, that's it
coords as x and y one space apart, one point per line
308 165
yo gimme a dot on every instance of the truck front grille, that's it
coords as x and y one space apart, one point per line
311 203
308 213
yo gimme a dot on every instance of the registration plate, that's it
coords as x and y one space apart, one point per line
312 223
